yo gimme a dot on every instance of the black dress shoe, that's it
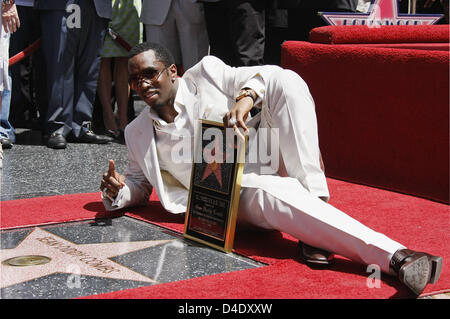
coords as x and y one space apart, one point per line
313 256
92 138
56 141
117 135
416 269
6 143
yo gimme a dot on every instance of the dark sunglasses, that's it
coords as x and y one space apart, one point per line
149 75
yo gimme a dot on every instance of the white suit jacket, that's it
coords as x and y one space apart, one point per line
213 87
155 11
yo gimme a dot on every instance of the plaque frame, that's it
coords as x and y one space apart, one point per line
227 201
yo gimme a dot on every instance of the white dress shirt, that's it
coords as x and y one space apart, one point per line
170 135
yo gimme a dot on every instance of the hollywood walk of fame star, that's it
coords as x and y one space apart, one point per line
381 12
65 256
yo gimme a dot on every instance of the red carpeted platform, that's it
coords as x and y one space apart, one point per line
392 34
382 112
417 223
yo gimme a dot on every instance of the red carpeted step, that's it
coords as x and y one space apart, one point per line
382 114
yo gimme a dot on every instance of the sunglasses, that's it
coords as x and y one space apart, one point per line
150 76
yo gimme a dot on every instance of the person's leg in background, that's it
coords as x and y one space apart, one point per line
38 76
104 90
89 42
192 32
216 17
122 90
7 133
247 29
59 76
22 110
7 137
122 93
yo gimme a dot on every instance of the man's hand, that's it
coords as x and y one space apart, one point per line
238 114
10 18
112 181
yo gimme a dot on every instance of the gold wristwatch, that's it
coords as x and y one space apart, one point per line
247 92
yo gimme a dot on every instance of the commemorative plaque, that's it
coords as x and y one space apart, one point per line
215 186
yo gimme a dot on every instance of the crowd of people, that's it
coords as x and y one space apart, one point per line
80 71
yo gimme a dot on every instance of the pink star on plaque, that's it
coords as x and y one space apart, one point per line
213 167
381 12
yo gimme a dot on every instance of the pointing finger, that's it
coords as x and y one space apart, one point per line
112 168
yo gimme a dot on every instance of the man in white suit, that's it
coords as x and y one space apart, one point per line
291 199
180 26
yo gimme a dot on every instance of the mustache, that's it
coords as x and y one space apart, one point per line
148 91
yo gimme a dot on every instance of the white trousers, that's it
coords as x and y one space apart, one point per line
183 33
288 201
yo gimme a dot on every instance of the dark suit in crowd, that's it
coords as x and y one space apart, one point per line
28 93
236 30
303 17
72 44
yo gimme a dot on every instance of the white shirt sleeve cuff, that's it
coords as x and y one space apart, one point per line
115 203
256 83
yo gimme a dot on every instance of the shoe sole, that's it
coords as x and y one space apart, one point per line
318 264
7 146
57 146
436 267
420 272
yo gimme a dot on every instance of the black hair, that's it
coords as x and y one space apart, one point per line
161 53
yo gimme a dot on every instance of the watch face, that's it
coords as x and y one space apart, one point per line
246 92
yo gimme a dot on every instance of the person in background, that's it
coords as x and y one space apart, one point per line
72 66
180 26
236 30
29 90
7 132
9 23
125 21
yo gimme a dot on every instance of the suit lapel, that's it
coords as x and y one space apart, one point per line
146 146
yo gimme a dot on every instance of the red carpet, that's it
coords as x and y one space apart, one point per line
417 223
